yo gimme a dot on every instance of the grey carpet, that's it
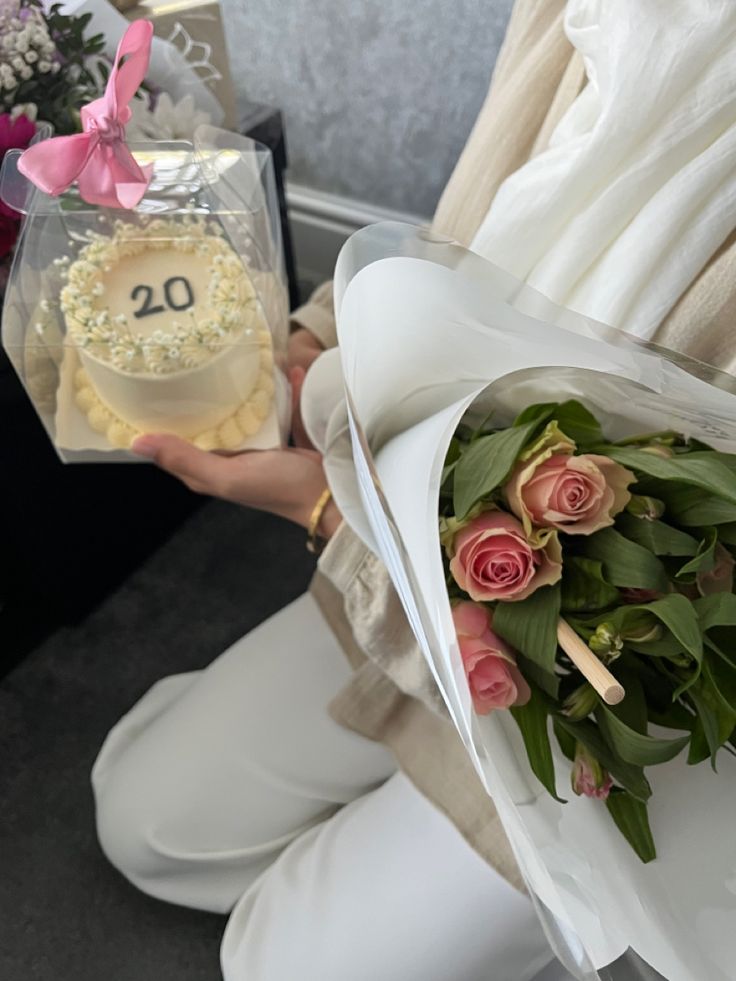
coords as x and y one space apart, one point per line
65 914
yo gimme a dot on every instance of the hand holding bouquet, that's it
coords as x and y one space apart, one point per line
550 533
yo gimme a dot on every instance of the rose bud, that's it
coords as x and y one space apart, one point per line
490 667
643 506
606 643
580 703
588 776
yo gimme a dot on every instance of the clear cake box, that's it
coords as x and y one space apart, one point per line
172 317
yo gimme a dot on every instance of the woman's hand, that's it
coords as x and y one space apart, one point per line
303 348
285 482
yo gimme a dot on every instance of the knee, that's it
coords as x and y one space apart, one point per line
124 819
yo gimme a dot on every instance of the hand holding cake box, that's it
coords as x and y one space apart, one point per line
147 294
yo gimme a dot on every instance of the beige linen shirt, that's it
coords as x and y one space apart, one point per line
392 697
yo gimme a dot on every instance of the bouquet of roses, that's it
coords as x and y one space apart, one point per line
488 445
554 536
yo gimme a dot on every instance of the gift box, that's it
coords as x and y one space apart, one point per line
170 317
195 29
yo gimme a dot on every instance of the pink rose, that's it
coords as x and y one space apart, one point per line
493 677
575 494
588 776
16 132
494 560
719 579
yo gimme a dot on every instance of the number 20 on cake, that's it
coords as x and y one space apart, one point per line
149 298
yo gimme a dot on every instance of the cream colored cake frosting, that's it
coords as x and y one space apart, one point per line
170 335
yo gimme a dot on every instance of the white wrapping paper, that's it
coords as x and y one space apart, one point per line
425 330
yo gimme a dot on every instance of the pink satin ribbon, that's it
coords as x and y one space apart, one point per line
98 158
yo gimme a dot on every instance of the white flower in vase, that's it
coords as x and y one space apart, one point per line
168 120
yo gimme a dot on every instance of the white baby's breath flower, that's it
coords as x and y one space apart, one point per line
27 109
44 67
31 57
26 73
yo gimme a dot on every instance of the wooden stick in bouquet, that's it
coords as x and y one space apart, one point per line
610 690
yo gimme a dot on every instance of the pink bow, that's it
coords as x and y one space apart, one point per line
98 158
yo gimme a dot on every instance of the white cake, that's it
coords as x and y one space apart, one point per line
170 335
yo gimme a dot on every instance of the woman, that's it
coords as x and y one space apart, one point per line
234 787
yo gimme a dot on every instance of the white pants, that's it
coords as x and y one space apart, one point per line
233 789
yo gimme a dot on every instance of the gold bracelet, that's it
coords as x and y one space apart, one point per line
315 543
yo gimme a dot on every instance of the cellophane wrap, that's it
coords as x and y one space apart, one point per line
429 334
222 184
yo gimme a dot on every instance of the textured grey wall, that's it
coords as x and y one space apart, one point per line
378 95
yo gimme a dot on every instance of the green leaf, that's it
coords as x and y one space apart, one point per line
727 459
717 610
704 559
720 680
572 417
658 537
547 681
692 508
631 818
539 412
579 424
636 747
627 774
678 614
675 716
625 563
565 740
633 709
706 471
530 625
584 589
705 739
486 463
532 721
717 615
727 533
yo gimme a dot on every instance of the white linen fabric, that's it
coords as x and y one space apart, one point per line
226 788
636 189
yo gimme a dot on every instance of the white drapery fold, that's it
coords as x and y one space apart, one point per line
637 188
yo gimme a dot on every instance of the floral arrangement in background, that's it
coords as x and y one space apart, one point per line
568 557
49 68
51 64
157 117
